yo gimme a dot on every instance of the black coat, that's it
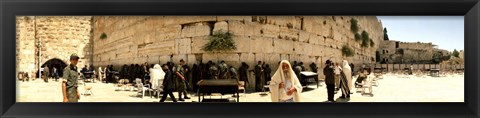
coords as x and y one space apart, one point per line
168 81
329 75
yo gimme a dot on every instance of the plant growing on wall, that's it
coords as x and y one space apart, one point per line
347 51
357 37
103 36
365 39
354 25
220 41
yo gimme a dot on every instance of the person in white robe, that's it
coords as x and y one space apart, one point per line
284 85
348 73
156 73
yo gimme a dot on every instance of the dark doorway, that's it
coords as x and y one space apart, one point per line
397 45
54 63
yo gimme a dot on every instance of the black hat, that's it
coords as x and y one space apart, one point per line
328 62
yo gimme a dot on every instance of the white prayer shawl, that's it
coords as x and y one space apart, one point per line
278 77
156 73
348 73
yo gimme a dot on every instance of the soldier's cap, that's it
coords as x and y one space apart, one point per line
74 56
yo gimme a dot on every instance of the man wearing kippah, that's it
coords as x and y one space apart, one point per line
69 84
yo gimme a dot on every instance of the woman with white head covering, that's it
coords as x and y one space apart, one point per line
156 73
284 85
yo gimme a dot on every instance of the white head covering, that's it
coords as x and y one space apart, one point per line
156 73
348 73
278 78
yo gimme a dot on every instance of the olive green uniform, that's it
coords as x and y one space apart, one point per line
71 75
180 83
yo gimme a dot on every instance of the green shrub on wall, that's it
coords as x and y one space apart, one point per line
220 41
103 36
365 39
347 51
354 25
357 37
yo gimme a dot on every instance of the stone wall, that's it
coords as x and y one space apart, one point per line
158 39
412 51
60 36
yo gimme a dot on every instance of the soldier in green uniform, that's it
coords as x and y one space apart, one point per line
223 68
213 71
69 84
181 79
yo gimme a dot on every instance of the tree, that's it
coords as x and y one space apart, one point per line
456 53
385 35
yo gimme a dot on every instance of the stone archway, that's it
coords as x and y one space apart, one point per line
57 63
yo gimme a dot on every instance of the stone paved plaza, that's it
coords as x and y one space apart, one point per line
391 88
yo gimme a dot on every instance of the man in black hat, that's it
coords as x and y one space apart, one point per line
329 80
69 84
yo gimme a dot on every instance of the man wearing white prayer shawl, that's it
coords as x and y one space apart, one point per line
348 73
156 73
284 85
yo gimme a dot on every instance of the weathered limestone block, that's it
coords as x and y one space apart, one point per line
272 31
286 21
243 44
220 26
261 45
228 57
236 28
167 33
303 36
183 46
188 31
288 34
233 18
299 47
198 43
259 57
248 58
176 20
253 29
282 46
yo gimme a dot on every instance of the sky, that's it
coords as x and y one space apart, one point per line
445 31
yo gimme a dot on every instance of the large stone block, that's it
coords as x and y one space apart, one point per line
288 34
243 44
183 46
261 45
236 28
198 29
220 26
234 18
303 36
283 46
198 43
167 33
272 31
253 29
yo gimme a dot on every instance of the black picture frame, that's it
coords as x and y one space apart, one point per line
10 8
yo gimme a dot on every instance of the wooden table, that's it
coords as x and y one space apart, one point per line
217 86
306 75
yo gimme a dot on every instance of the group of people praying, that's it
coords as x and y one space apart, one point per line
284 85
